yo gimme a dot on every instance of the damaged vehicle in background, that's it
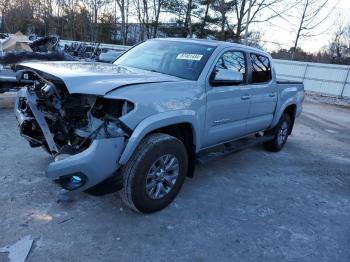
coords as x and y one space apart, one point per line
138 124
18 48
109 56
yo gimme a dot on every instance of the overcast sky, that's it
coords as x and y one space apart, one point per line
283 32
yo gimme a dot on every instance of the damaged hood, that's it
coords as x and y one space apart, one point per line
95 78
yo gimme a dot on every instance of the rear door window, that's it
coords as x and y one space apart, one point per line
261 69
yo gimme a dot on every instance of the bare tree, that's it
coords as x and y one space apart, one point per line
269 8
177 8
223 8
157 7
18 15
69 7
143 16
4 5
188 20
339 48
95 6
124 13
205 18
309 19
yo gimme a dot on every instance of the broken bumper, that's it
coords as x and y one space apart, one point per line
95 164
74 172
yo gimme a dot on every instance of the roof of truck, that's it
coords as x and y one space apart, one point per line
212 43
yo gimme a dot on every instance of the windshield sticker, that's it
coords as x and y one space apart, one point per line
194 57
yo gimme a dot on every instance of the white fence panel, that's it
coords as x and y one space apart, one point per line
346 91
321 78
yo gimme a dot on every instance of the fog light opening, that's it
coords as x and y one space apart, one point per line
73 181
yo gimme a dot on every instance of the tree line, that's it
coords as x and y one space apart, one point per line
88 19
110 21
336 52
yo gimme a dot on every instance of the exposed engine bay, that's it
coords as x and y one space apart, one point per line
60 122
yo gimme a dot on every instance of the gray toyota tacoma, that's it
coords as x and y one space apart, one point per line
138 124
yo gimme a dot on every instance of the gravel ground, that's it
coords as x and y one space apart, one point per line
249 206
325 99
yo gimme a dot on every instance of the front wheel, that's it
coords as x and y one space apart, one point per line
155 173
280 134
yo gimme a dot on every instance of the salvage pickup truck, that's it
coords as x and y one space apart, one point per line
139 123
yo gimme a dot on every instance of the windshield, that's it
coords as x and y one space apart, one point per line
176 58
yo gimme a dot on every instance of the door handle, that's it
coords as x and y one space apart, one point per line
245 97
272 94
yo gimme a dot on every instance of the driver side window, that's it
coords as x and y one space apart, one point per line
234 61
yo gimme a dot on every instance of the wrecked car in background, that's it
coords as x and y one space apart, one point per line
139 123
18 48
109 56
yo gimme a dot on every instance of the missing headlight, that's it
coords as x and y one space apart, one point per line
111 109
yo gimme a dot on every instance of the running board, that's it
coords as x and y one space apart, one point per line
229 148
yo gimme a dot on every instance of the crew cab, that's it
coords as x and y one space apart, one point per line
138 124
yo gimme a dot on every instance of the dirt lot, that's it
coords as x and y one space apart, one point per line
249 206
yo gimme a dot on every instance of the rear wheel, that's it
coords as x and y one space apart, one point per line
280 134
155 173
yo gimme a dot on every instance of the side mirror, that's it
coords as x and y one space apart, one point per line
226 77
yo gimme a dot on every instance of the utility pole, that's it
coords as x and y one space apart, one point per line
247 25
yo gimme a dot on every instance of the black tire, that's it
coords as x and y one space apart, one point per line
277 143
151 148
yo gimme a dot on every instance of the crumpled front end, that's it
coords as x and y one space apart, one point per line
82 132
